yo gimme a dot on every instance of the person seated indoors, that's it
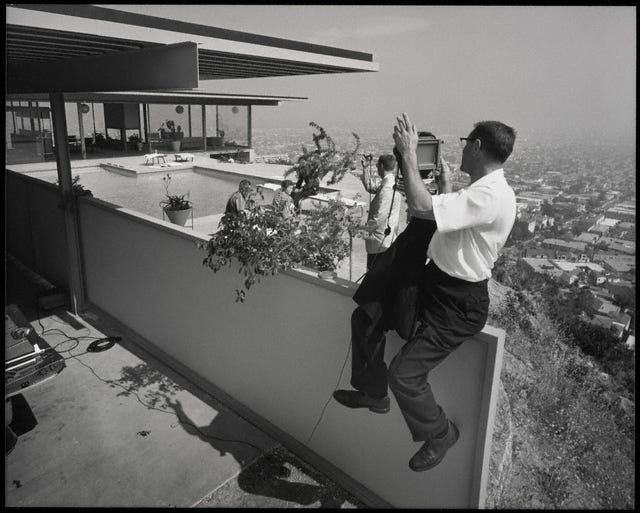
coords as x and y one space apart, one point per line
282 200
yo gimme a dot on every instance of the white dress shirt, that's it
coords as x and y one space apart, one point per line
473 225
382 213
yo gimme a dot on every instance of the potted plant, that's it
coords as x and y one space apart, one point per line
175 142
177 208
135 139
77 190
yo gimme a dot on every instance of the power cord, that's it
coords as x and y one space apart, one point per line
387 232
330 397
98 346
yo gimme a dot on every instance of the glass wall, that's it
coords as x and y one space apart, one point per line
28 132
232 120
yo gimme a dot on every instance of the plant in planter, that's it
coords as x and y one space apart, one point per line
77 189
175 142
135 139
175 206
324 236
265 243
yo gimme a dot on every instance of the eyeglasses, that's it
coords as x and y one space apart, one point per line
463 141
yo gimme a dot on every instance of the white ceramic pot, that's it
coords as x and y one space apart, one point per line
178 216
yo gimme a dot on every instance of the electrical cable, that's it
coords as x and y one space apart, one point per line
181 420
386 233
112 340
98 347
330 397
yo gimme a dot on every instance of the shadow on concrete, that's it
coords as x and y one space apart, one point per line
142 376
272 474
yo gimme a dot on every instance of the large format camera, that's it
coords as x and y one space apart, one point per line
428 153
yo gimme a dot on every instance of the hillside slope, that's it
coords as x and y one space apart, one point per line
564 435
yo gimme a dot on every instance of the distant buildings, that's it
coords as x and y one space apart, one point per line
620 245
616 263
543 266
600 229
576 224
571 246
588 238
618 325
625 211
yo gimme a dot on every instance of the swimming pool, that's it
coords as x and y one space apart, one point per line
208 190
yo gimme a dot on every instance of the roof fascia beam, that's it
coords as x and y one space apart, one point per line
162 97
158 67
27 17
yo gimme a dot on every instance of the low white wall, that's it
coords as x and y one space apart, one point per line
280 354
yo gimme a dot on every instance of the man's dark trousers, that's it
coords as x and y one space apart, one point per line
450 311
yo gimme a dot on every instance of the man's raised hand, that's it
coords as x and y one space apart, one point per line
405 135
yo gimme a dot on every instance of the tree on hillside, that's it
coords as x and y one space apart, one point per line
546 208
588 276
593 340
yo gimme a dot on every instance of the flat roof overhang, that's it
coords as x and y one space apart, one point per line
40 35
161 97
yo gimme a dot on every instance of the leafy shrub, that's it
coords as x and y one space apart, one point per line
265 243
325 159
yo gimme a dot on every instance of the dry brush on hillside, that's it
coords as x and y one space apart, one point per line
573 439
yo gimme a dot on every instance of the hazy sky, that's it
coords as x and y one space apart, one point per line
561 69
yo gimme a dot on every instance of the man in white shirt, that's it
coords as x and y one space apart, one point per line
384 210
472 225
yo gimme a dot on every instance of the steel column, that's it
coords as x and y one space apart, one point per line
81 127
76 282
204 126
249 129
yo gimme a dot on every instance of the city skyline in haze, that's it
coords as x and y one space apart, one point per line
541 69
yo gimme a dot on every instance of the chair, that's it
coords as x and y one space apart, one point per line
153 137
74 143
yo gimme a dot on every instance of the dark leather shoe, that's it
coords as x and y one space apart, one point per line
357 399
433 451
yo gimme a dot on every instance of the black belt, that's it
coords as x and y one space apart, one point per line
442 277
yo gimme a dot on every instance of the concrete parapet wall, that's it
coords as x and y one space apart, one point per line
34 227
279 355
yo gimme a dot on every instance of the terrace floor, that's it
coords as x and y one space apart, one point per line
119 428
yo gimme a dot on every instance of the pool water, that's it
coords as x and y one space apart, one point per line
208 192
